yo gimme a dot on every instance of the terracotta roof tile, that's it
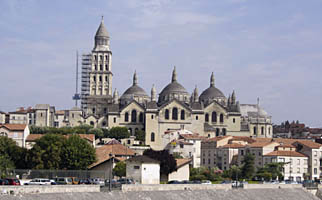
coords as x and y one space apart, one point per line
195 136
142 159
233 145
60 112
259 144
286 153
310 144
117 150
243 138
33 137
286 145
14 127
182 161
218 138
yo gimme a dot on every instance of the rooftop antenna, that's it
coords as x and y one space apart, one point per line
76 96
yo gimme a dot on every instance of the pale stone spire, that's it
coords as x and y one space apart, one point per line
116 97
233 97
195 94
228 100
174 74
212 80
135 78
153 93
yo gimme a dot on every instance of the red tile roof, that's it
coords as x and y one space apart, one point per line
33 137
286 153
194 136
310 144
259 144
182 162
105 152
218 138
14 127
233 145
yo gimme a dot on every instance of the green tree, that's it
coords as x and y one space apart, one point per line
177 155
140 135
97 132
77 154
10 151
235 173
5 164
120 169
46 153
167 162
119 133
248 168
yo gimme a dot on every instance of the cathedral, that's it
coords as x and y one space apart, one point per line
209 114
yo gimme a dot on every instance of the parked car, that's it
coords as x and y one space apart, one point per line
4 182
85 181
126 181
98 181
75 180
13 181
226 182
63 180
174 182
114 183
206 182
39 181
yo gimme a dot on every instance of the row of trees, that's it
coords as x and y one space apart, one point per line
115 132
247 171
52 151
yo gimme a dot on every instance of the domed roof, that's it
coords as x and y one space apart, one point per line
173 88
212 92
134 90
101 31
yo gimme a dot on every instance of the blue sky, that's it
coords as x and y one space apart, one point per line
269 49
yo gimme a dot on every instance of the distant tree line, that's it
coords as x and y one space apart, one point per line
115 132
52 151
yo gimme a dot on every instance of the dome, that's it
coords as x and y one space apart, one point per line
211 93
174 90
134 92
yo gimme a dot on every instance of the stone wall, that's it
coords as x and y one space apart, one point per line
172 187
27 189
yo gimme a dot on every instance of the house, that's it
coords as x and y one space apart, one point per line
2 117
108 155
31 139
17 132
182 172
143 169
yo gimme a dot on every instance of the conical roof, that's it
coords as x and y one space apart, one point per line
102 31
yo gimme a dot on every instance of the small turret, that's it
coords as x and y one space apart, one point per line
229 101
195 95
212 80
153 93
115 97
174 74
233 98
135 79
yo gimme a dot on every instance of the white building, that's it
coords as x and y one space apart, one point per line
17 132
143 169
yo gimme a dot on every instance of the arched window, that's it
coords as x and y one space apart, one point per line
262 131
174 113
166 115
214 117
255 130
93 110
101 67
133 116
106 67
126 118
141 117
104 123
207 117
91 123
217 131
223 131
182 117
152 137
221 118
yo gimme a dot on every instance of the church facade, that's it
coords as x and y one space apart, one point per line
209 114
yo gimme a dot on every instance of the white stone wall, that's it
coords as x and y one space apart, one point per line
181 174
